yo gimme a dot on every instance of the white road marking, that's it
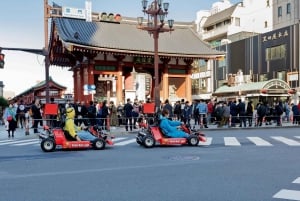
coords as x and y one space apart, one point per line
125 142
118 139
259 141
17 141
288 194
231 141
297 181
27 143
287 141
207 143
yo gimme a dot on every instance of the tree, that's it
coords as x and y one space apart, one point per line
3 103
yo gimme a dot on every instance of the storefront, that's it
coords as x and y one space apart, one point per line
268 91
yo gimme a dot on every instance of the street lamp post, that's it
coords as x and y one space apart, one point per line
156 12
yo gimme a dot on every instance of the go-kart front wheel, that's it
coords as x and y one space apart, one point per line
48 144
148 141
99 144
193 140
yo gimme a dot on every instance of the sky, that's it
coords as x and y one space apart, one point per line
22 26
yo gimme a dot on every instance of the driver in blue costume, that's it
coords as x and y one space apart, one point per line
170 128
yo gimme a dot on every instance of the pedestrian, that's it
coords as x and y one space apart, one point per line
21 113
296 113
187 113
103 113
137 108
120 113
249 112
169 107
36 114
286 110
91 113
226 114
113 114
278 112
233 113
128 114
177 110
202 110
242 112
11 121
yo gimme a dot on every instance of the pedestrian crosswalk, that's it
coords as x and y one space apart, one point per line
271 141
287 194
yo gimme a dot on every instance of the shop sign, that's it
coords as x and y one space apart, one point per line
73 12
275 36
143 60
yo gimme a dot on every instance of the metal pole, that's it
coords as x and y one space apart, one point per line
156 60
46 51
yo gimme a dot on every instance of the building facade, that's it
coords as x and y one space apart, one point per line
56 91
114 60
285 13
272 55
223 24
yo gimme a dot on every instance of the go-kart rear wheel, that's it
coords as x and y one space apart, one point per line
193 140
48 144
98 144
148 141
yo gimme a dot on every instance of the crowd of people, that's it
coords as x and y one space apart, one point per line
131 114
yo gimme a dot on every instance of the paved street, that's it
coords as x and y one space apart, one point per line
252 165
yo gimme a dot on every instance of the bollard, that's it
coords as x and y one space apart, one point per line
26 127
229 121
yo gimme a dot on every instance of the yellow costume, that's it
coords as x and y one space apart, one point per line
69 124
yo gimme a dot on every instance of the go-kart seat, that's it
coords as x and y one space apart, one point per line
68 136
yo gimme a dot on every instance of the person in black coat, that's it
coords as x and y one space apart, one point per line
233 113
242 112
128 114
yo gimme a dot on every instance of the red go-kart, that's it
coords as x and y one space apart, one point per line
149 137
58 138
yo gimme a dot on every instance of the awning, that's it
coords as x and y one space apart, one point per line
265 88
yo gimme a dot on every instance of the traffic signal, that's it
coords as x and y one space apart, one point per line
2 60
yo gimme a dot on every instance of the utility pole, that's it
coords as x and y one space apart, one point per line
46 48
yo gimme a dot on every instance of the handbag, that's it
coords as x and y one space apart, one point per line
9 118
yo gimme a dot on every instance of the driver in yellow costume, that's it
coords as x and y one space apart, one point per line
75 131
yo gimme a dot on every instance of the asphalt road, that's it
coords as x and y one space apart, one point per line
236 165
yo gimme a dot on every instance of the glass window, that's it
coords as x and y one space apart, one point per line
288 8
279 11
277 52
281 75
266 24
237 21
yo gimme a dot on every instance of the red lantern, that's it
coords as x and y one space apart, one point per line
292 91
264 91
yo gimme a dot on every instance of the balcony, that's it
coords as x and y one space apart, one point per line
215 33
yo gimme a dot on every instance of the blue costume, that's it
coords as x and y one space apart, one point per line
170 128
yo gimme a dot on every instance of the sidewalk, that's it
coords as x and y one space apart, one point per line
117 131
